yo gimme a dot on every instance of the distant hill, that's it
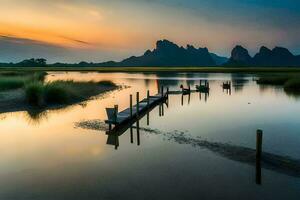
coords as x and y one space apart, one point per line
219 60
277 57
167 53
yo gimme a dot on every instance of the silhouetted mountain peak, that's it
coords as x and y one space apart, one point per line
240 56
168 53
147 53
265 50
165 45
282 51
278 56
190 47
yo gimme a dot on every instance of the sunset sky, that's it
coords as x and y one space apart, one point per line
101 30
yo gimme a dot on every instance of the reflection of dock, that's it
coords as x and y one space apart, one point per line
133 113
227 87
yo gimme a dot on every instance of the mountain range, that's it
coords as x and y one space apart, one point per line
277 57
167 53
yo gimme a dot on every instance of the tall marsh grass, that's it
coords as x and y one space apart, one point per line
63 92
290 83
15 80
10 83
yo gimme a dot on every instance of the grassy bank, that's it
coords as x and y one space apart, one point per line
27 90
290 82
64 92
158 69
15 80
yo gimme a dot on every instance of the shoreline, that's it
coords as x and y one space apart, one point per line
160 69
16 101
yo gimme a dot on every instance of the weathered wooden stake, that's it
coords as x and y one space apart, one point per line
168 92
159 107
182 99
162 91
131 134
131 106
148 118
115 114
137 104
259 137
138 132
148 98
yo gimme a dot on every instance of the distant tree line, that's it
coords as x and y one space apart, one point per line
33 62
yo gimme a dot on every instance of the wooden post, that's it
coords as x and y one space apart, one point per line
148 98
259 137
138 132
159 110
137 104
131 106
115 114
162 91
167 92
131 134
167 97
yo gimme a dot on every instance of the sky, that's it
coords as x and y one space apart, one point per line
102 30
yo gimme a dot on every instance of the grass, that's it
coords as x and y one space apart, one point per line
290 83
15 80
277 80
63 92
10 83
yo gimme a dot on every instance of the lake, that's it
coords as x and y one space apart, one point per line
195 149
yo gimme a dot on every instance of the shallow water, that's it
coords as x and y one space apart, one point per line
48 156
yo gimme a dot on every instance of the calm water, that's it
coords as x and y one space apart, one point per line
47 156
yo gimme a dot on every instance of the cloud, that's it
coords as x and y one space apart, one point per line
15 49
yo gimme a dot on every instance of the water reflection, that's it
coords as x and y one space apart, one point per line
227 87
239 81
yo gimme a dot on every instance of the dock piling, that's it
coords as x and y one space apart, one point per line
131 106
259 137
137 104
138 133
115 113
131 134
168 92
148 98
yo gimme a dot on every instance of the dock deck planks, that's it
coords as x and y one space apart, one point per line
124 116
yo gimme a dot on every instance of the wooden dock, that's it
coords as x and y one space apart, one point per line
134 112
